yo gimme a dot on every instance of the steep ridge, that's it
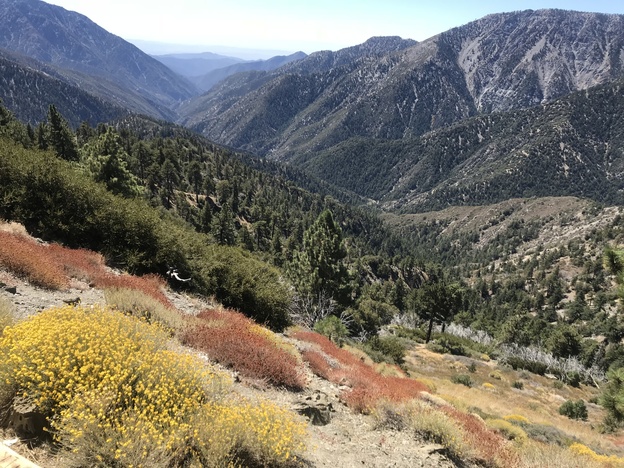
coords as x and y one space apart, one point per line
260 111
570 147
70 41
393 89
28 87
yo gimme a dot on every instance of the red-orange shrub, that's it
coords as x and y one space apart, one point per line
489 446
234 340
78 263
318 363
367 386
32 261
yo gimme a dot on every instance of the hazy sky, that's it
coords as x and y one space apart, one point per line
291 25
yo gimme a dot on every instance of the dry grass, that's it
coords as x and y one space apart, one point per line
534 406
233 340
150 285
6 314
138 304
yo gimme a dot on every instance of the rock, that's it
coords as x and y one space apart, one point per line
25 420
317 408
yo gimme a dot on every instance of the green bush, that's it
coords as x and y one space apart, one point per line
463 379
574 410
390 347
518 384
531 366
332 327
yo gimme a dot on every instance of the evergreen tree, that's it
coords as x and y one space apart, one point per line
437 302
223 228
61 138
318 268
106 160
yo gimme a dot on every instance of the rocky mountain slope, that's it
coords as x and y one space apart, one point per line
28 87
107 65
572 146
342 119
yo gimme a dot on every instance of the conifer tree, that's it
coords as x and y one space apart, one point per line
318 269
60 137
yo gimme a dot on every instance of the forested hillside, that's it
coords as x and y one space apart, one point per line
226 221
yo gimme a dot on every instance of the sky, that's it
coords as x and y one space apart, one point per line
293 25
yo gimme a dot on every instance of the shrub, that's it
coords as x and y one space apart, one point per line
452 345
115 396
426 423
573 379
517 419
585 451
542 455
558 384
472 368
486 444
31 261
140 305
488 385
507 430
518 384
549 435
234 340
574 410
391 348
95 372
496 375
531 366
332 327
367 387
463 379
148 285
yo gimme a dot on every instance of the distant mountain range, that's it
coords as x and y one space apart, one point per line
377 119
207 69
514 104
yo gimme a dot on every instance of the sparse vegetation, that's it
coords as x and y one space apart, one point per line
6 314
138 304
112 394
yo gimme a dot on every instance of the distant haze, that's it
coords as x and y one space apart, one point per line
285 26
161 48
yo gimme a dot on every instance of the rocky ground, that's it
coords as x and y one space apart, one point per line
337 436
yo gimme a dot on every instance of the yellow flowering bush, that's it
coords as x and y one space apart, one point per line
517 419
115 396
583 450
